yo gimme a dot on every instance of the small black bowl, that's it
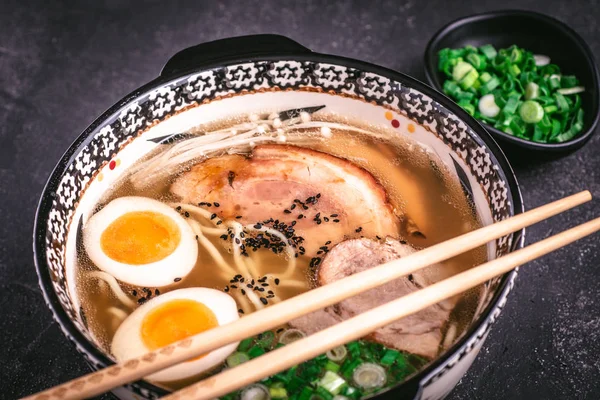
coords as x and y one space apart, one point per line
537 33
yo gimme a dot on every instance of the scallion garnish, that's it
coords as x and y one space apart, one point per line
514 91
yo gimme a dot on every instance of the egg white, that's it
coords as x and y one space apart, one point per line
128 343
159 273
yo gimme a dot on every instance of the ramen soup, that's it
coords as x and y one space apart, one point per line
242 214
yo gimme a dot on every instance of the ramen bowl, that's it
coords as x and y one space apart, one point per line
248 75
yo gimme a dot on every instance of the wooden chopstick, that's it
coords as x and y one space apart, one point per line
295 353
278 314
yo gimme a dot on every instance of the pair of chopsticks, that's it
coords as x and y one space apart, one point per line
351 329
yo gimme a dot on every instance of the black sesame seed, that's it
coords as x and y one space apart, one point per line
237 240
226 289
242 280
270 292
264 278
178 208
134 292
336 220
141 301
187 214
359 229
377 236
318 195
258 226
277 281
213 216
264 284
292 206
196 237
325 219
216 204
219 222
176 279
300 216
328 242
319 252
319 222
263 300
240 311
249 286
333 215
262 289
280 330
238 217
243 292
270 296
156 292
287 211
234 287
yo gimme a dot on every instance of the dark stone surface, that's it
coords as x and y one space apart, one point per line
63 63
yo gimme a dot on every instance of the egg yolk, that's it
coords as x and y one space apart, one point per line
140 237
175 320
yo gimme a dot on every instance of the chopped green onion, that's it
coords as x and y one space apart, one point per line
485 77
349 366
511 105
477 61
467 106
306 393
561 102
255 392
340 397
469 79
531 112
488 107
541 60
245 344
236 359
323 393
554 82
369 376
514 70
256 351
568 81
490 85
571 90
278 393
331 366
354 349
516 55
489 51
332 382
389 357
452 89
461 69
532 90
550 109
265 339
291 335
337 354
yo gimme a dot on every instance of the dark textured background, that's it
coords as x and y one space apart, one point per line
63 63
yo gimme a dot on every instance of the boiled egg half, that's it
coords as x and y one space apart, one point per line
171 317
140 241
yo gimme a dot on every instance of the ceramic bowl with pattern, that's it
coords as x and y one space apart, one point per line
241 75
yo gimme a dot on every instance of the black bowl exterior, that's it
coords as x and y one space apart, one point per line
535 32
409 389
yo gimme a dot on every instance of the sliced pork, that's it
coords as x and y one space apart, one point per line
420 333
328 197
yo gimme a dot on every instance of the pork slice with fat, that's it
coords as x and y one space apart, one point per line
419 333
266 184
